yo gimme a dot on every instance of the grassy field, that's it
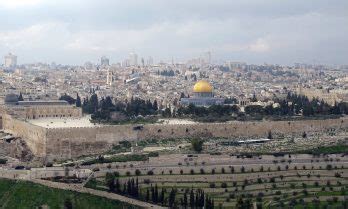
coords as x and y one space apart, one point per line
22 195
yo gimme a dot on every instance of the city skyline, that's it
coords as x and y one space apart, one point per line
254 32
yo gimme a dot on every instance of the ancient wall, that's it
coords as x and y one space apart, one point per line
63 143
52 111
35 136
235 129
73 142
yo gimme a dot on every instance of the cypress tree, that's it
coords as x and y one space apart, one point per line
78 101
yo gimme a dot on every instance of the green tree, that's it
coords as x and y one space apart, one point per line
67 98
78 101
68 204
197 144
20 98
110 181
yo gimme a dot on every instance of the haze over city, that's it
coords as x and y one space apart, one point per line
277 32
177 104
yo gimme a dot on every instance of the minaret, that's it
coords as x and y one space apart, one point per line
109 77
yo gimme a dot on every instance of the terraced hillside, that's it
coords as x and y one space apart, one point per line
315 183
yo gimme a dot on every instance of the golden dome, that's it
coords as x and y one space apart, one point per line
202 87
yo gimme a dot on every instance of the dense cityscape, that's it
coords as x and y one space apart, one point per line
185 123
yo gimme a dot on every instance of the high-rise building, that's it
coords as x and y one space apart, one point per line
133 59
104 61
149 61
142 62
206 58
10 61
125 63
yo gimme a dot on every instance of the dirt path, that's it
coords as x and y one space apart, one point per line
78 188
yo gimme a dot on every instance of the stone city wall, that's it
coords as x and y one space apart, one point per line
66 143
73 142
35 136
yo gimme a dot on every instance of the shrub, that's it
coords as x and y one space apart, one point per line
222 170
3 161
234 183
153 154
213 171
181 172
192 171
202 171
116 174
212 185
128 173
197 145
223 185
150 173
316 184
137 172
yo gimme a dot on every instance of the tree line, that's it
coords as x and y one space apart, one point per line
191 199
292 105
295 104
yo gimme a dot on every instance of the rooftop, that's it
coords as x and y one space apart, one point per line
33 103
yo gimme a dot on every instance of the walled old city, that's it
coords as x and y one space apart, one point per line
229 132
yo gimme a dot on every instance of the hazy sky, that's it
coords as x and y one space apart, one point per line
254 31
